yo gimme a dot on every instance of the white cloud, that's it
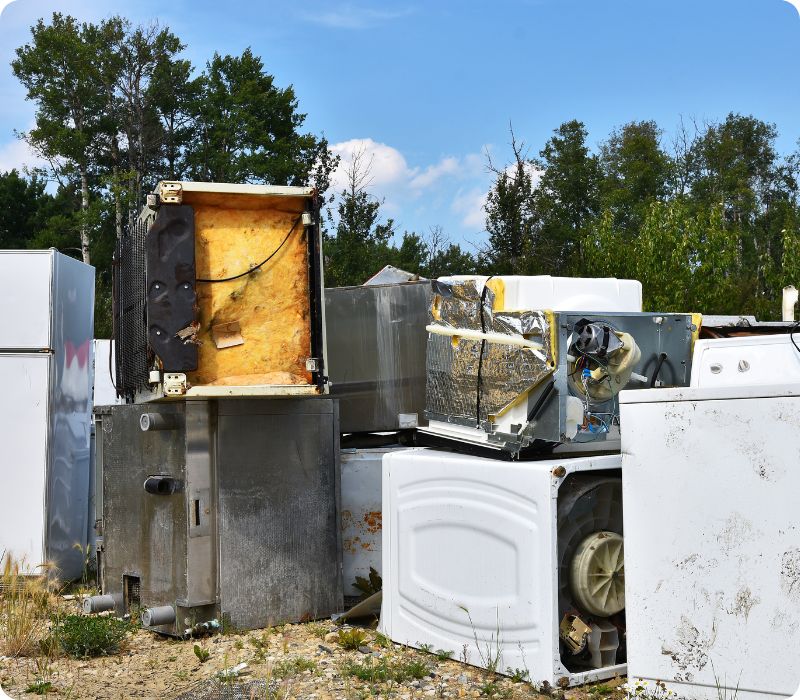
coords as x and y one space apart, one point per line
450 191
17 155
533 172
387 166
4 4
469 205
349 16
446 166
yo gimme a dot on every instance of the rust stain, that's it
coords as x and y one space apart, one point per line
374 521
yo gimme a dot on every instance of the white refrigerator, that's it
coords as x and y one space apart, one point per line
45 408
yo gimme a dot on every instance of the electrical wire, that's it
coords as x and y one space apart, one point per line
794 327
654 379
479 382
261 264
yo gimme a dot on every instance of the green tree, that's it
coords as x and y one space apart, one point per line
61 70
361 243
21 209
510 213
685 260
432 256
248 130
565 202
635 171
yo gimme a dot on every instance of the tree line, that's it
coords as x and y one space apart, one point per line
707 223
117 109
707 220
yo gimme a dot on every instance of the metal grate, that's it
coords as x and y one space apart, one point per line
214 689
132 357
131 592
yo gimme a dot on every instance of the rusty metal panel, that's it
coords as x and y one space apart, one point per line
362 521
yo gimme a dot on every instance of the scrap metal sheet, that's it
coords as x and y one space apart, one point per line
507 371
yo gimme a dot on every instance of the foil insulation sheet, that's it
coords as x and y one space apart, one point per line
469 380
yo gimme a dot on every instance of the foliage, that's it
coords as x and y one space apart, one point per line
24 604
201 653
292 667
40 687
361 243
519 675
89 635
369 586
246 129
351 638
118 109
382 670
710 226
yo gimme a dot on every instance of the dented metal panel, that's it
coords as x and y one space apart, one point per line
710 484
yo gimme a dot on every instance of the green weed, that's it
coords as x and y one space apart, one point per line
89 635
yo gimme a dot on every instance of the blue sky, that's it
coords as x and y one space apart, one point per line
428 88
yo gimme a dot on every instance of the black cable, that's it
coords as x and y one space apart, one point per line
794 327
480 356
661 358
544 397
262 263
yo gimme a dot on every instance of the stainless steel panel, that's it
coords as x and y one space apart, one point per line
201 505
251 536
144 535
48 311
70 413
280 545
376 353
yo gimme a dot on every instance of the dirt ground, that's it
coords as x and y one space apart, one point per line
296 661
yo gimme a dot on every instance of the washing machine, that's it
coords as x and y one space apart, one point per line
516 566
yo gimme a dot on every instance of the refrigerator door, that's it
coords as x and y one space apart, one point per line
23 469
25 288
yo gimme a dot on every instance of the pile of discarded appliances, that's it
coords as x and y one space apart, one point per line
529 472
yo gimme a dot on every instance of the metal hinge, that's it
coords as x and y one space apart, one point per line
174 383
312 364
170 192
